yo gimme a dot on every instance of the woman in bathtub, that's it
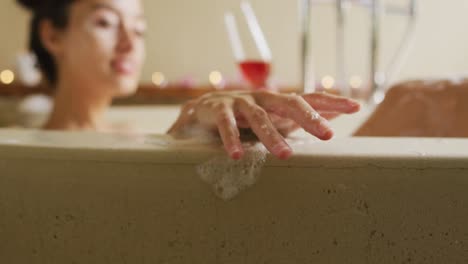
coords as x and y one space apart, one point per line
92 51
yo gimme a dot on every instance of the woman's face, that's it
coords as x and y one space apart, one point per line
103 46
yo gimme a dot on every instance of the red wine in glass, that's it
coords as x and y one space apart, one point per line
255 67
256 72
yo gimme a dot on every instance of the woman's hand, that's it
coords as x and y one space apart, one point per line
270 115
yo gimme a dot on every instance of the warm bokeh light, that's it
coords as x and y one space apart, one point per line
216 78
158 79
355 82
7 76
328 82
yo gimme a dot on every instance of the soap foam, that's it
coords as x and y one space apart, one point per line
192 135
229 177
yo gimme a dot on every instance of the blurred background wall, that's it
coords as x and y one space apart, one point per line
188 38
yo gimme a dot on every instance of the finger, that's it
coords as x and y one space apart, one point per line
281 123
229 133
241 122
331 103
185 117
329 115
296 108
288 130
264 129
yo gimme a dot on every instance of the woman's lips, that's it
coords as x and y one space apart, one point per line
123 66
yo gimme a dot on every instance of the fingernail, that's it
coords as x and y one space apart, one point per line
236 153
356 106
325 130
282 150
285 154
327 135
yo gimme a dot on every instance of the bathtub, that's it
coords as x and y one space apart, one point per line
117 198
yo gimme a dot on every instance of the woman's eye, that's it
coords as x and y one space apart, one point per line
104 22
140 30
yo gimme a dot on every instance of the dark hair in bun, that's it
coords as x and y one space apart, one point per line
30 4
57 12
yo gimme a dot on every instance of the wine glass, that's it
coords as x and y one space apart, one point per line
255 64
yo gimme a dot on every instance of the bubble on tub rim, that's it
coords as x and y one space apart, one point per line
296 141
158 141
189 136
228 177
10 141
418 153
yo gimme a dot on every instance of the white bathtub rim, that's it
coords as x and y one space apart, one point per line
338 153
